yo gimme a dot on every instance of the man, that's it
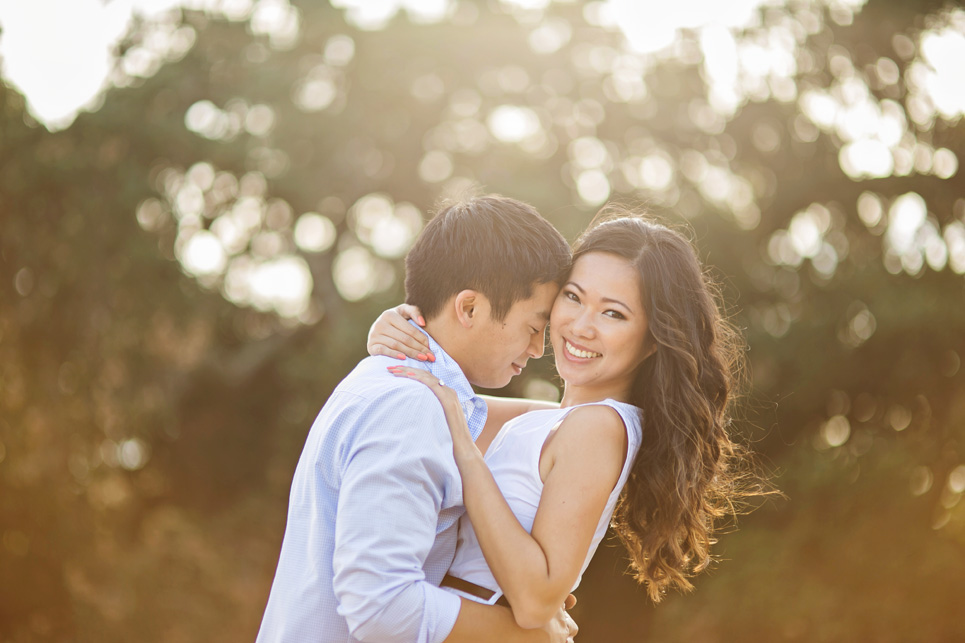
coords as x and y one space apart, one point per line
376 495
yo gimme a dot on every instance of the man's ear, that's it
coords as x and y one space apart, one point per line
466 303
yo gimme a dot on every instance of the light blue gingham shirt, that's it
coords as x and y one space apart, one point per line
372 515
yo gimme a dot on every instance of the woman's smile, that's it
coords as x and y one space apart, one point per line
578 351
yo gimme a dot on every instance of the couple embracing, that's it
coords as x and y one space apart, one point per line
423 512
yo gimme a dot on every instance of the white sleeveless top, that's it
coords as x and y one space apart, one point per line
513 457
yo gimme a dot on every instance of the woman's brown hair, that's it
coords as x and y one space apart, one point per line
689 472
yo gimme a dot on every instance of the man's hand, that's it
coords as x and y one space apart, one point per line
562 629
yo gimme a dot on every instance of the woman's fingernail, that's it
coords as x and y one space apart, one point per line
422 321
422 357
432 357
400 356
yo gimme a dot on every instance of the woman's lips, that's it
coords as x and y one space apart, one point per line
578 352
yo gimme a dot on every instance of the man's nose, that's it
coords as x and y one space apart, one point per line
537 345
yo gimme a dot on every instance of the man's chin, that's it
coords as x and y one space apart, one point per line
496 382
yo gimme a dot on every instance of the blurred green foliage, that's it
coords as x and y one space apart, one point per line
152 411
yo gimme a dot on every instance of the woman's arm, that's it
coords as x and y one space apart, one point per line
392 335
580 466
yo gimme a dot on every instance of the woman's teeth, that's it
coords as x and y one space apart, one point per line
576 352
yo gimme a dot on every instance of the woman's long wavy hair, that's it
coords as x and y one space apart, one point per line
689 473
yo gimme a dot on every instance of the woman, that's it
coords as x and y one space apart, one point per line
648 365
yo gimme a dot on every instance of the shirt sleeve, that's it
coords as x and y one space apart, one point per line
395 479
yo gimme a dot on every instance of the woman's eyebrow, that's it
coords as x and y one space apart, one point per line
608 300
614 301
575 285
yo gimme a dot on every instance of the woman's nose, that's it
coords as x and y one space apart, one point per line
583 325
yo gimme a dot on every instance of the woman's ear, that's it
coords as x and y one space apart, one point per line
650 349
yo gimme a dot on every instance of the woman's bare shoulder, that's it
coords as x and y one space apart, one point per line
599 420
589 433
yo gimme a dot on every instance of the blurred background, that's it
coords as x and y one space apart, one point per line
204 204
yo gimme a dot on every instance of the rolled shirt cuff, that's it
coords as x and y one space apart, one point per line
442 610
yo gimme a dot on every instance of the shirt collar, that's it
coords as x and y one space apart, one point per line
446 369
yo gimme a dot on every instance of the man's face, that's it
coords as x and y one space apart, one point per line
500 349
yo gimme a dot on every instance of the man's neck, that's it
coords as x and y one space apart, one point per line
440 330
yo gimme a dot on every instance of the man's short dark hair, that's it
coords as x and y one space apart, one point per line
498 246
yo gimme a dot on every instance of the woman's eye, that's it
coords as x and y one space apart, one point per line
615 315
571 296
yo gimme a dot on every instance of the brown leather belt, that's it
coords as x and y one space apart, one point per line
473 589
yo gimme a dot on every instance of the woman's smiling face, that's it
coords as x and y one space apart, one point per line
599 328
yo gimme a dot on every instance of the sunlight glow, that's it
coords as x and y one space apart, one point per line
388 228
743 50
921 480
354 272
550 36
314 232
905 218
807 230
64 65
278 20
206 119
588 152
247 248
870 210
203 254
866 158
944 81
593 186
862 326
527 5
876 141
374 15
132 454
339 50
810 235
955 242
436 166
33 59
283 284
656 171
317 90
649 29
836 431
956 479
512 124
914 240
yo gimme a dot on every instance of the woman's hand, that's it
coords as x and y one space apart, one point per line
462 443
448 397
393 336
